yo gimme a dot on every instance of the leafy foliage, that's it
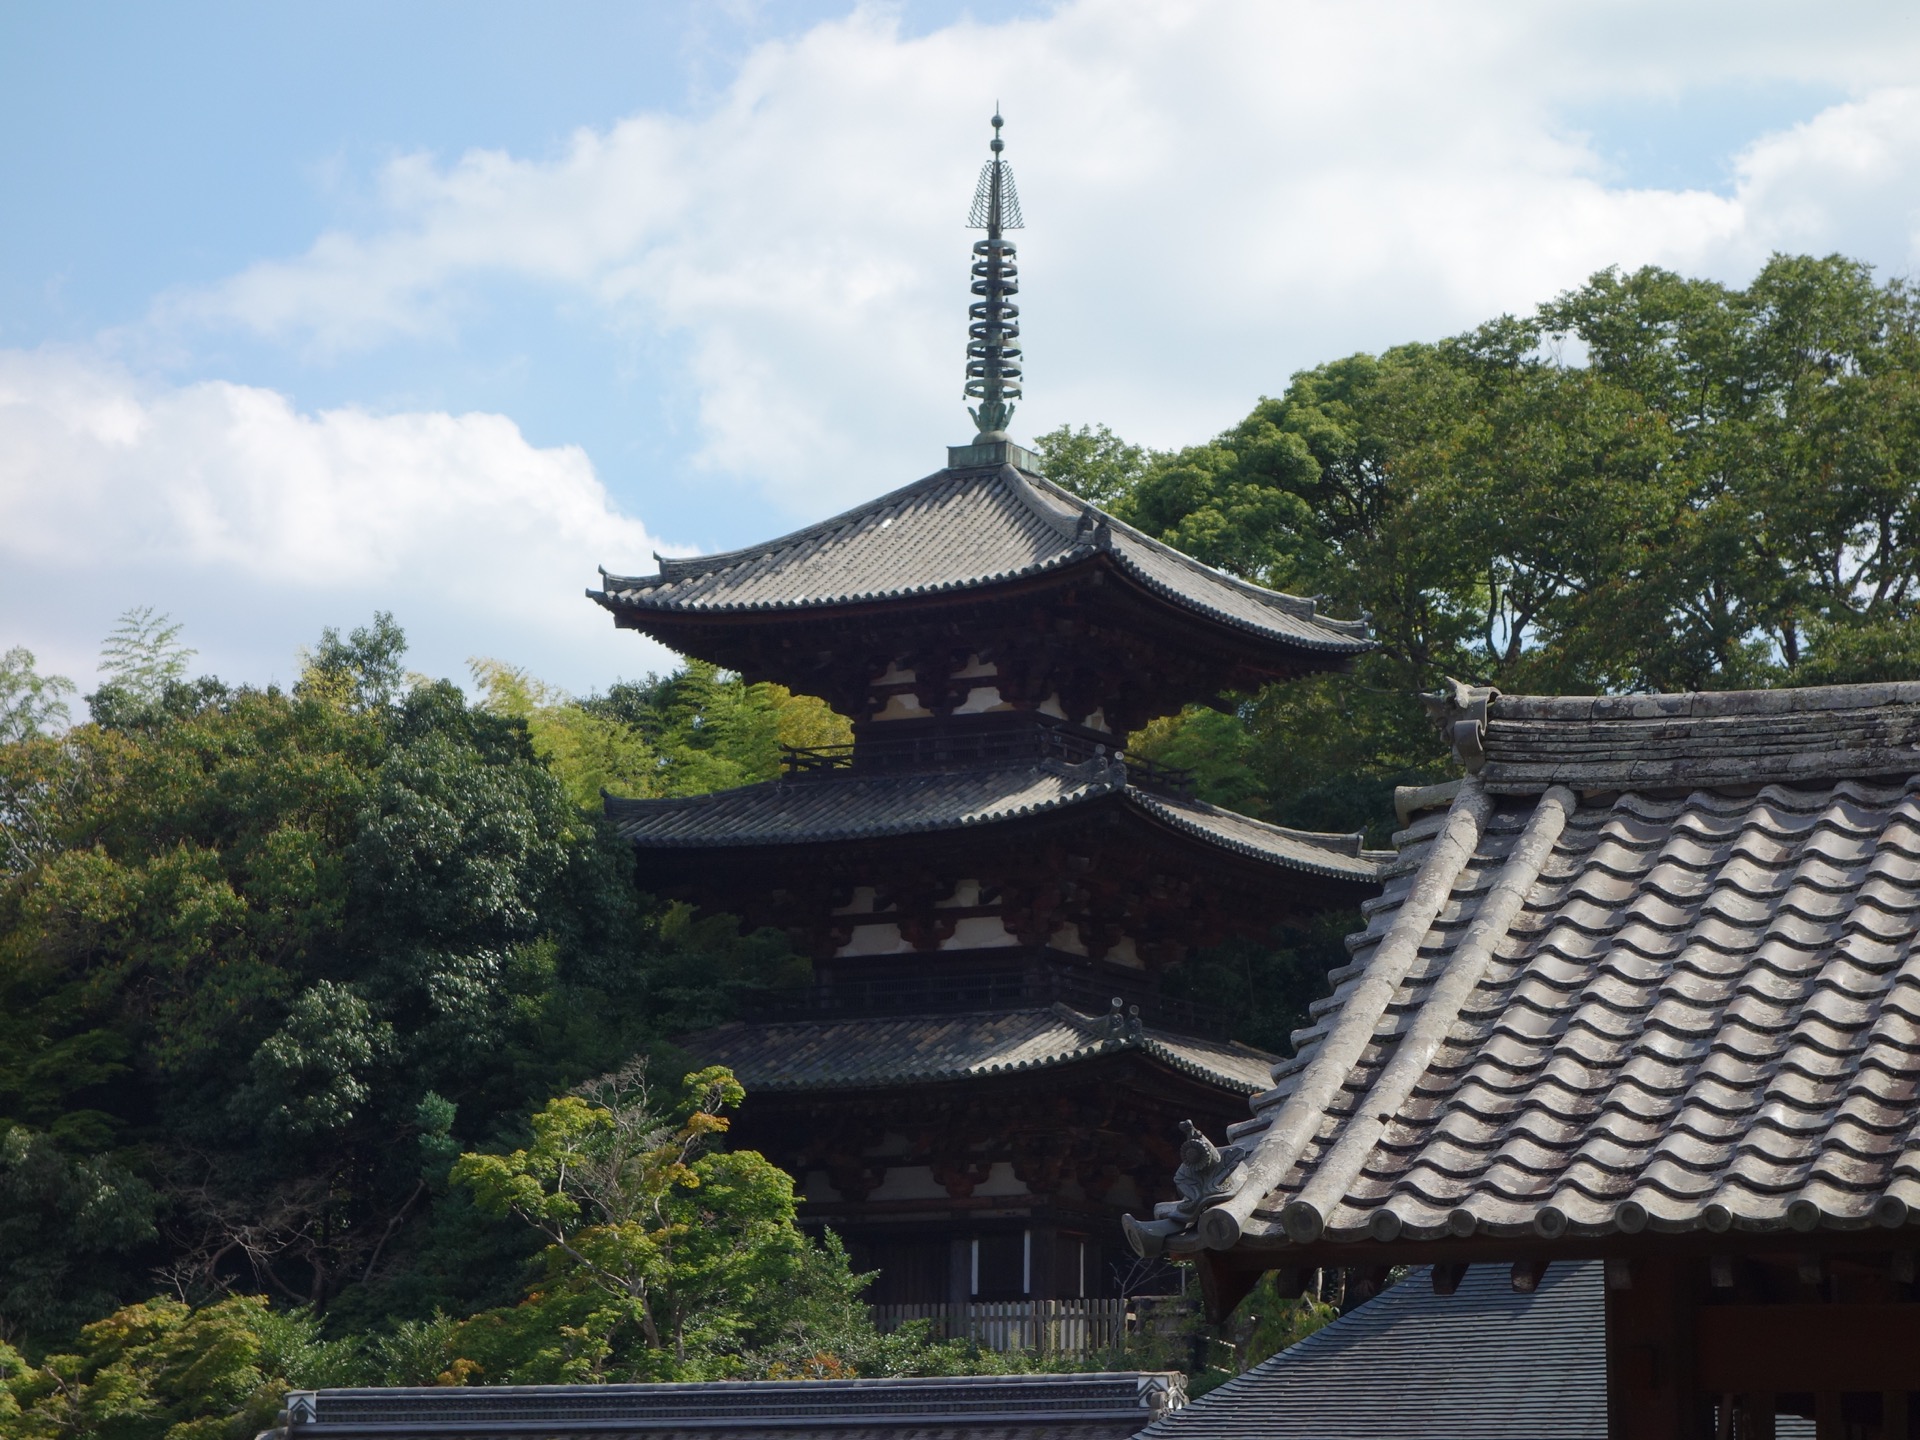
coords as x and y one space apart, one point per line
163 1370
1652 483
140 662
665 1259
29 701
269 961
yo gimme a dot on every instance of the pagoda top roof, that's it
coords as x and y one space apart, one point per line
857 806
962 530
858 1054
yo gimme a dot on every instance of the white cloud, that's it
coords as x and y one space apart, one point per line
254 523
1218 193
1847 179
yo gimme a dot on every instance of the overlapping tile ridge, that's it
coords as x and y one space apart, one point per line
1409 1364
960 530
1742 737
860 1052
1624 1012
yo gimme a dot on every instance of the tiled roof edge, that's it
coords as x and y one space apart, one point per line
1151 1042
1102 777
1348 845
1296 607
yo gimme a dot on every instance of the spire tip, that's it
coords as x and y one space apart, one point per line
993 349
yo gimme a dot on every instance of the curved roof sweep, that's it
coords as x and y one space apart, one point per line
1673 1009
865 1052
862 806
959 531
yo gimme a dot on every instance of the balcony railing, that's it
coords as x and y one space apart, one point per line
985 990
985 745
1046 1327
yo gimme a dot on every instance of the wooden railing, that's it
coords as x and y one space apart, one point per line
1053 1327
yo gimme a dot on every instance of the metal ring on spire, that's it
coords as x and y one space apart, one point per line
993 330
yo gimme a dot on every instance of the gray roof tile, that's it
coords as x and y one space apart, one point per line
1484 1362
962 530
1091 1406
1700 997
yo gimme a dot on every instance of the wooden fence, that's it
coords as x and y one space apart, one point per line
1054 1327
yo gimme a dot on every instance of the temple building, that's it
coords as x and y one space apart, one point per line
1643 989
985 1074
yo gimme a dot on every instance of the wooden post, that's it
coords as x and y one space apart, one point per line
1650 1362
1829 1420
959 1285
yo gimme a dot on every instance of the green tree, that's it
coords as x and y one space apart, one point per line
665 1259
267 954
588 751
1093 462
162 1370
140 660
29 701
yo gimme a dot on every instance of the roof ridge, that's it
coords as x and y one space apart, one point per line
681 567
1295 1122
1030 495
1298 607
1343 842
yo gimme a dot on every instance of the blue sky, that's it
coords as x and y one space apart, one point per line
308 311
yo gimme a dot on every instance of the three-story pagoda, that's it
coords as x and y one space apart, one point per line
984 1076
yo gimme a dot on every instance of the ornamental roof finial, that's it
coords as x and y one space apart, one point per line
993 330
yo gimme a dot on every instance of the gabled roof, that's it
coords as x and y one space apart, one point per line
958 531
1615 1010
1484 1363
853 805
858 1054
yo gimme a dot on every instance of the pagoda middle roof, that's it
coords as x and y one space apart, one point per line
957 531
862 1053
852 806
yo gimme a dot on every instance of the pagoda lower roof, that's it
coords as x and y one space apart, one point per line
842 807
959 531
870 1052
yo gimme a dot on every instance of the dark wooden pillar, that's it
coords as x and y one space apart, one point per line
1651 1389
1044 1283
959 1271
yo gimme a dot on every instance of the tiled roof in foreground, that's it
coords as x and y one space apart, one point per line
860 1053
1607 1011
1484 1362
962 530
1107 1406
852 805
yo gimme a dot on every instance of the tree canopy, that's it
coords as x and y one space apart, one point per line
1651 483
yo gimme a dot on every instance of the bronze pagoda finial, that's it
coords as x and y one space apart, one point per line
993 331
